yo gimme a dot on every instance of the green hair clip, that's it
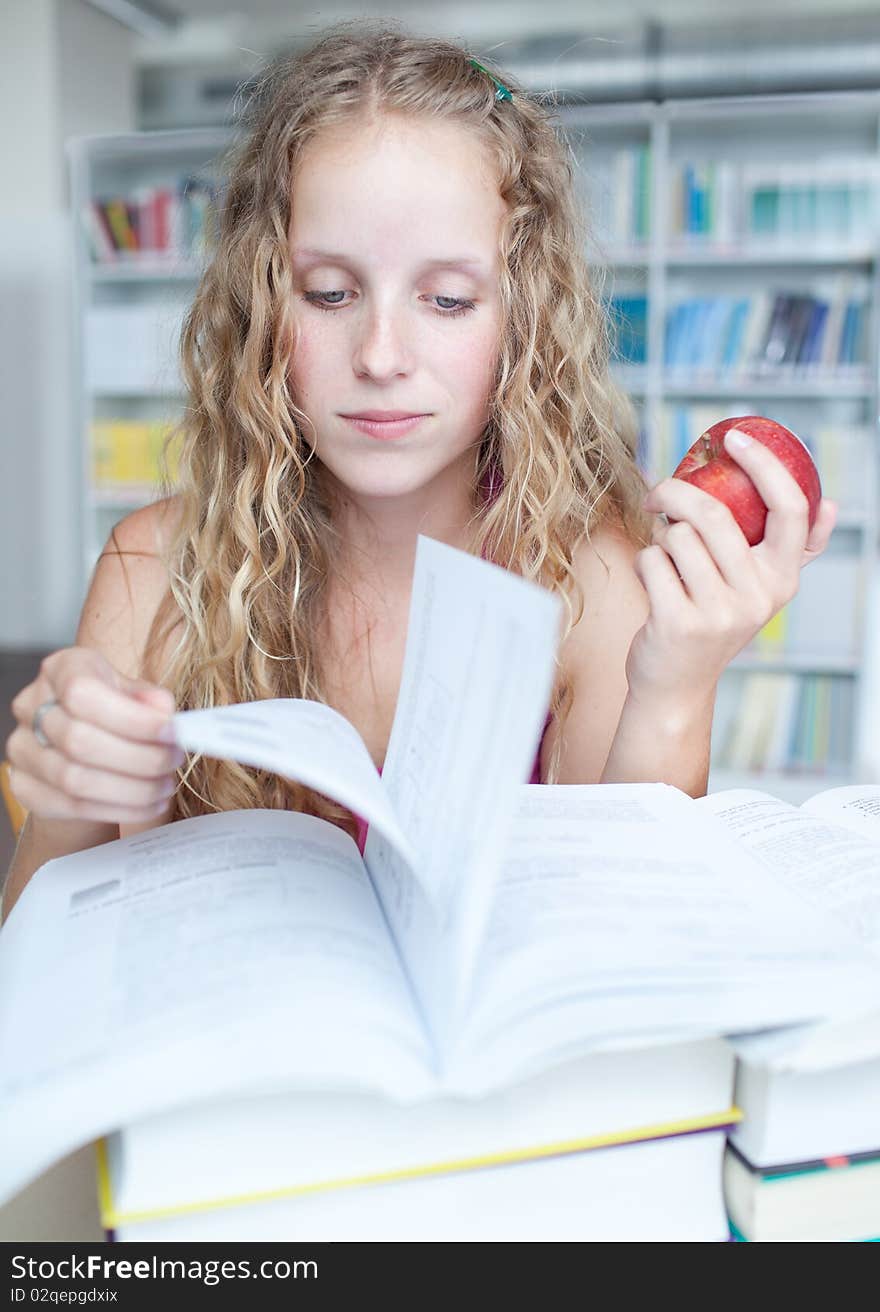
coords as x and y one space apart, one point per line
501 91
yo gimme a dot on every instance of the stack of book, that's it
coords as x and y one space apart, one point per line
805 1162
500 1019
570 1154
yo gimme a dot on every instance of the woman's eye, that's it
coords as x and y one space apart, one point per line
316 298
448 307
458 306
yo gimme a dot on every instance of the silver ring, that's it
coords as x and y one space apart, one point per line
37 721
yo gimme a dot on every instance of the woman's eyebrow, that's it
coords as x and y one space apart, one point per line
466 262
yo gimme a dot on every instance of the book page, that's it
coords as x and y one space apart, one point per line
625 911
856 806
240 951
477 678
303 740
828 864
824 850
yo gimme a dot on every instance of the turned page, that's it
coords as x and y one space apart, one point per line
239 951
822 849
476 683
624 911
303 740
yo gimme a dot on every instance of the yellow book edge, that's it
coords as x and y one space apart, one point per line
110 1218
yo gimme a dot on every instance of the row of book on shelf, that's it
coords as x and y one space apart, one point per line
177 221
727 202
769 330
752 200
788 722
605 1012
722 200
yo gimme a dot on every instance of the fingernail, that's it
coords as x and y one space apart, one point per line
166 734
738 439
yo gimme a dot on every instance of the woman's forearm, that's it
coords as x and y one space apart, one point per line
657 743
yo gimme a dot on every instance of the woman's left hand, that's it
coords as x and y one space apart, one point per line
709 591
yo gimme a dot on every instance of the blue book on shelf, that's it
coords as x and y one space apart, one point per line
682 433
688 311
629 316
735 330
854 333
812 347
860 340
715 335
847 336
690 202
699 330
795 736
672 343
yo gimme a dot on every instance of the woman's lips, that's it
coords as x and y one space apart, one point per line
387 427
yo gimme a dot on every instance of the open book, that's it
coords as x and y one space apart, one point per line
828 851
492 930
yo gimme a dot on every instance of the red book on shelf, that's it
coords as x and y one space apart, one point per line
162 218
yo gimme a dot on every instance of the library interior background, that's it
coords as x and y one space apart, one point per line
732 173
731 169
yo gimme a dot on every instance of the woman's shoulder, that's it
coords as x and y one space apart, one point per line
129 583
145 532
606 555
615 602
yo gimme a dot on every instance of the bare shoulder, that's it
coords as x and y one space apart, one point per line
604 565
594 653
129 582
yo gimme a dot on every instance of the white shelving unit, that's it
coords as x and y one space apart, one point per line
751 133
128 311
649 258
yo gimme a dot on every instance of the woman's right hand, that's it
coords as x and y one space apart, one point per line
111 754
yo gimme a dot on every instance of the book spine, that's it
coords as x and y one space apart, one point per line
772 349
813 345
118 218
783 715
760 312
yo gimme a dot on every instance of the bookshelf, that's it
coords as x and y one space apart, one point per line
720 225
142 206
744 201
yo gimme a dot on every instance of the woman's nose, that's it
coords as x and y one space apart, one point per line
383 343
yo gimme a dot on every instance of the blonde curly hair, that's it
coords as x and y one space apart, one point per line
252 547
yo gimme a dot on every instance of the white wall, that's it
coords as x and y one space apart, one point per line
65 69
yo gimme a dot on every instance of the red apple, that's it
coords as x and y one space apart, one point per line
708 466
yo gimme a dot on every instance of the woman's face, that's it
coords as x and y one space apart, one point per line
394 238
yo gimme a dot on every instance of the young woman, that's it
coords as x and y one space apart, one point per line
400 236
